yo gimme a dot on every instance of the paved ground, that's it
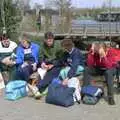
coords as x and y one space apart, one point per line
30 109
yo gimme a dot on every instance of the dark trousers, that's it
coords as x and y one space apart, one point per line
108 74
24 73
50 75
8 72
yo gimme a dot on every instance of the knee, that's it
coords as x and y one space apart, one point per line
86 69
109 72
64 70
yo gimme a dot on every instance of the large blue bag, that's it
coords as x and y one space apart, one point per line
15 90
60 95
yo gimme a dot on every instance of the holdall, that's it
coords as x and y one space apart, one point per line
15 90
90 100
92 91
60 95
56 81
91 94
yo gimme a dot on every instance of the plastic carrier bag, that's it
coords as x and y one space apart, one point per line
15 90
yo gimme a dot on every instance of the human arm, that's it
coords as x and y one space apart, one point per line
107 59
77 60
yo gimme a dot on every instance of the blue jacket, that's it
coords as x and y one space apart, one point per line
73 60
20 53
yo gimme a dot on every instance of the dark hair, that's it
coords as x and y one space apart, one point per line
4 37
67 43
48 35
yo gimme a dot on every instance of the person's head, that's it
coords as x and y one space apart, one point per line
49 39
67 44
97 46
104 46
24 41
5 41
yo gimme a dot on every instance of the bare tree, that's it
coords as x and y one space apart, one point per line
10 18
64 8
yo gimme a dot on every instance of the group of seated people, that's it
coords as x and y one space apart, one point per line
52 60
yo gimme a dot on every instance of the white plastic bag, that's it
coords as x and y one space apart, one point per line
74 82
42 72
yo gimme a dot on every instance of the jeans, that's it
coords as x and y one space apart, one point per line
108 74
24 73
50 75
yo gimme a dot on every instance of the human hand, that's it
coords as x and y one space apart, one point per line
6 60
34 65
11 63
92 48
24 64
50 66
102 52
65 82
44 66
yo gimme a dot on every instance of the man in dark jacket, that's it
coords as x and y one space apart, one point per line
73 61
101 61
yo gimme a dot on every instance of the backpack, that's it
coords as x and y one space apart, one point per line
15 90
91 94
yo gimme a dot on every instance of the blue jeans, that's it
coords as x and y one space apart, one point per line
50 75
24 73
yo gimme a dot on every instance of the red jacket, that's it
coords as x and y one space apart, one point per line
116 53
109 61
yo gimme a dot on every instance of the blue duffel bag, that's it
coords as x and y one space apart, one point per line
91 94
94 91
60 95
15 90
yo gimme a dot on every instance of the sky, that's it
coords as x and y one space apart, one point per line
84 3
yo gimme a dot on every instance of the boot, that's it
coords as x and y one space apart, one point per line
111 100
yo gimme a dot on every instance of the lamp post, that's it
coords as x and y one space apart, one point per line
3 17
110 7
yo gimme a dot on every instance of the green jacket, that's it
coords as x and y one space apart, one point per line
49 54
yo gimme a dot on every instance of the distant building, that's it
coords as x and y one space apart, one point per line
106 16
41 14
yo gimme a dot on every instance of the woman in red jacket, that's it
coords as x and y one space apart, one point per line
101 61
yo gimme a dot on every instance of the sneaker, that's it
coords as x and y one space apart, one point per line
78 101
45 92
37 95
118 88
111 101
35 91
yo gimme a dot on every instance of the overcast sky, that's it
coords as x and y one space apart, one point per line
83 3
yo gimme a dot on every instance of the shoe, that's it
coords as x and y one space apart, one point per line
111 101
35 91
37 95
118 88
45 92
78 101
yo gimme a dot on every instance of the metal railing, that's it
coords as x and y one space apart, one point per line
97 29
